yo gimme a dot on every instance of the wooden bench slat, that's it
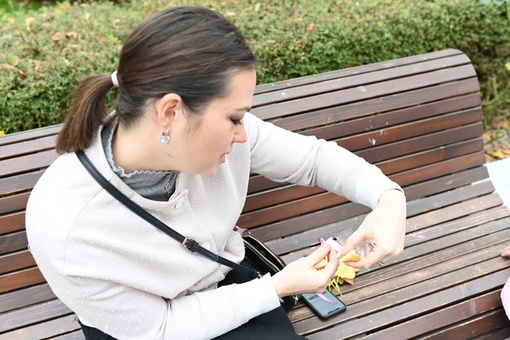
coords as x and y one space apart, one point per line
292 107
26 163
35 314
20 279
13 242
76 335
414 105
29 134
402 133
11 223
431 171
448 227
283 211
291 243
318 78
14 184
413 308
13 203
36 145
480 327
44 330
447 144
328 216
16 261
360 79
453 144
444 317
25 297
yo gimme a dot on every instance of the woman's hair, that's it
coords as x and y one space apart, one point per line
190 51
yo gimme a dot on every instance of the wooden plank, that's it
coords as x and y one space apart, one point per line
448 182
292 243
355 70
430 159
441 145
311 237
335 214
25 297
29 134
481 327
34 314
386 110
28 163
445 317
76 335
16 261
13 203
44 330
27 147
11 223
360 79
432 170
293 107
21 279
13 242
429 127
401 312
14 184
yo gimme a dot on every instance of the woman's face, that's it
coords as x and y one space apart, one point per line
200 143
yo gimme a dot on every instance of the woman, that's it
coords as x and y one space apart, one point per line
181 143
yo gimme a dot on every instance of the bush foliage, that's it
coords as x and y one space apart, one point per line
44 53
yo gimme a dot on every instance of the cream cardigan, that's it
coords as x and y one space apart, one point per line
132 281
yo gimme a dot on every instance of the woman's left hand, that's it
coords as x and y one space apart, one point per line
384 227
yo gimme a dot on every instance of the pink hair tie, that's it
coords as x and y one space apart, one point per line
115 80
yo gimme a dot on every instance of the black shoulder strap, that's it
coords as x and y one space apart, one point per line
186 242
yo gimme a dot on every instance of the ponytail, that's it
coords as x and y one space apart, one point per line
85 114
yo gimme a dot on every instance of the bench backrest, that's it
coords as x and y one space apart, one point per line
417 118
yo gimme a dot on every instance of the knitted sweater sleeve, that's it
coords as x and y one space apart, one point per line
284 156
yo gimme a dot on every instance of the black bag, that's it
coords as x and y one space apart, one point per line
260 257
264 260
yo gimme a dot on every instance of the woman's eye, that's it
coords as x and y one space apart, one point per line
236 121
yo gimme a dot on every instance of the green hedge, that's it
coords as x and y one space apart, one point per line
44 53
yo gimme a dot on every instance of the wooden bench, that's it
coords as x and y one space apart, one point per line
418 119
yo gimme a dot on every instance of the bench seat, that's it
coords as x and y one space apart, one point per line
419 119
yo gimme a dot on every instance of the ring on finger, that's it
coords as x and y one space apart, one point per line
381 263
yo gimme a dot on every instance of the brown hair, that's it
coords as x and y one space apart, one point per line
189 51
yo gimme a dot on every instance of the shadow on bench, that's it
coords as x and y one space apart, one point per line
417 118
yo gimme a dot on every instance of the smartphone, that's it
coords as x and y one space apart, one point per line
324 308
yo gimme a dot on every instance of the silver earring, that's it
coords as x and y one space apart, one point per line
165 138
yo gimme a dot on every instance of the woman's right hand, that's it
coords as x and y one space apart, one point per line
300 276
506 251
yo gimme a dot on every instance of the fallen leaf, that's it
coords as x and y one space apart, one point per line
7 67
497 154
2 133
71 35
57 36
487 136
28 22
310 28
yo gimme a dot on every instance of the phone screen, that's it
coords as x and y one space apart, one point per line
324 308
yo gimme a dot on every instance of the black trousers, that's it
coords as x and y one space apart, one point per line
274 325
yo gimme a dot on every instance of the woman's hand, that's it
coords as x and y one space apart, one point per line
300 276
506 251
384 227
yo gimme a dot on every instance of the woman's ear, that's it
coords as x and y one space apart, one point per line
167 108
